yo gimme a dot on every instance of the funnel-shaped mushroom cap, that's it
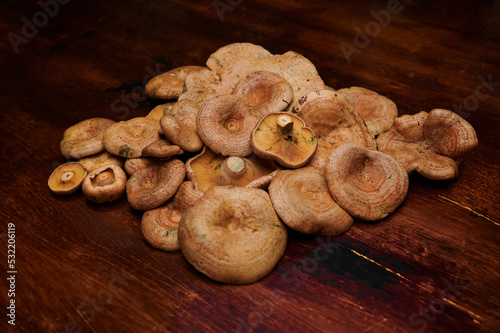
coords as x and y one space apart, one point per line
233 235
225 125
85 138
162 148
179 125
153 185
368 184
170 84
129 138
377 111
264 92
284 138
105 184
209 169
67 178
98 160
303 201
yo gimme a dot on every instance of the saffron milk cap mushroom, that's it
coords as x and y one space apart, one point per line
233 235
170 84
93 162
368 184
179 125
105 184
84 138
67 178
162 148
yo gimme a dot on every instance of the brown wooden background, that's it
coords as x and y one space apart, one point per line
432 266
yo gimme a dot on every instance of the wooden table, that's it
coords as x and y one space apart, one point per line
432 266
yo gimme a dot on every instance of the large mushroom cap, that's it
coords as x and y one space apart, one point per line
368 184
170 84
129 138
225 125
67 178
85 138
105 184
284 138
233 235
93 162
179 125
303 201
377 111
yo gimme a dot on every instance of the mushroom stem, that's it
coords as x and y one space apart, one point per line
104 178
285 126
67 176
234 167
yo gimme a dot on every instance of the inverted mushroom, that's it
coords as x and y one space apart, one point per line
179 125
93 162
232 235
368 184
67 178
169 84
85 138
105 184
303 201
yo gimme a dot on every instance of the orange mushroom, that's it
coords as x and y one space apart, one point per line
179 125
169 84
105 184
67 178
85 138
93 162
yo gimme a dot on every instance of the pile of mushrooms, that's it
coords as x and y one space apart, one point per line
250 146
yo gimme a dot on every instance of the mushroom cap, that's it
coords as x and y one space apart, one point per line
153 185
105 184
284 137
134 164
233 235
186 196
169 84
202 85
264 92
84 138
159 227
67 178
302 200
225 125
179 125
368 184
129 138
209 169
159 111
162 148
377 111
93 162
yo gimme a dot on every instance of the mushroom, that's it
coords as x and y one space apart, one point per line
159 111
209 169
179 125
233 235
170 84
431 143
153 185
134 164
67 178
129 138
301 199
368 184
159 226
84 138
377 111
264 92
203 85
105 184
162 148
284 138
95 161
225 125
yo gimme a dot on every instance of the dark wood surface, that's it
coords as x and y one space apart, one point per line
432 266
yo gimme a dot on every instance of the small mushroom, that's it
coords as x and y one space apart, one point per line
105 184
162 148
209 169
303 201
377 111
129 138
95 161
169 84
225 125
132 165
179 125
368 184
85 138
284 137
233 235
153 185
264 92
67 178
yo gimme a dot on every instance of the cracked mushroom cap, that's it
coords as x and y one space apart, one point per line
303 201
85 138
129 138
98 160
153 185
233 235
179 125
264 92
377 111
284 138
225 125
169 84
209 169
368 184
159 226
67 178
105 184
